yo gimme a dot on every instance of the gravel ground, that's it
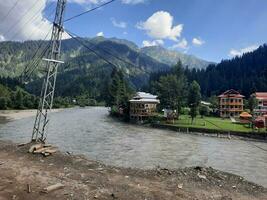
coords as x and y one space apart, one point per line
87 179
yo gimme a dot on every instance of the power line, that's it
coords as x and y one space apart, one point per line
95 8
249 142
37 62
10 10
33 65
35 59
106 51
87 47
33 5
49 15
33 18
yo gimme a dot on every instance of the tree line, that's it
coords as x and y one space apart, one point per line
246 74
175 91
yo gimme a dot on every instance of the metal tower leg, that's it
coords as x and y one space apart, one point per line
47 93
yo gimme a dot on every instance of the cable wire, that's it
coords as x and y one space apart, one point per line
10 10
106 51
33 66
33 5
36 63
33 18
35 60
89 48
249 142
95 8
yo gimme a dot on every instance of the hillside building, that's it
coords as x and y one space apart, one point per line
261 108
231 104
143 105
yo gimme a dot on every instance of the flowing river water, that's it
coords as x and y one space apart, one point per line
90 131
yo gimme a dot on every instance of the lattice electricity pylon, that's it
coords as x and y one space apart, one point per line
47 93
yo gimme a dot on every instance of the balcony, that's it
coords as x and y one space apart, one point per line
232 103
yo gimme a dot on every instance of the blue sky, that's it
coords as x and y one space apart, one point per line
210 29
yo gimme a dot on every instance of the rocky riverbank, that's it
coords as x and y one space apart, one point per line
24 176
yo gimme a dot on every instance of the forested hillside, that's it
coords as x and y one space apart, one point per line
15 97
84 73
171 57
14 56
247 74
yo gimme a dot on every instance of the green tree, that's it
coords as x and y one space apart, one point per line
119 90
28 101
3 103
170 91
4 97
194 97
252 104
214 102
119 95
203 111
18 99
171 88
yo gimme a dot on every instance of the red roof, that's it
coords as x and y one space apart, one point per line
231 93
261 95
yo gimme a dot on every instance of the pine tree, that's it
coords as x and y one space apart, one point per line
194 97
119 90
171 88
252 103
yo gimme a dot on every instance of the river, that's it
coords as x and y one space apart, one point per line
91 132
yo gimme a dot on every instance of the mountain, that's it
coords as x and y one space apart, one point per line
247 74
83 70
170 57
14 56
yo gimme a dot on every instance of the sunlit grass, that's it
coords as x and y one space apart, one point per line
214 123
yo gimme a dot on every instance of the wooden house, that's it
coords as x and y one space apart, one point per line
143 105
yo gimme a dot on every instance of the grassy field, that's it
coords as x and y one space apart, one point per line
213 123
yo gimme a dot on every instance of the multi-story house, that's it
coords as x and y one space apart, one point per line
231 104
261 108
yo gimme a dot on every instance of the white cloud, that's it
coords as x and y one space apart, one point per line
120 24
21 27
100 34
26 20
125 33
198 41
160 26
2 38
133 1
87 1
147 43
240 52
182 44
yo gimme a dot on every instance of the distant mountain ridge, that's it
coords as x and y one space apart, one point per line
83 70
171 57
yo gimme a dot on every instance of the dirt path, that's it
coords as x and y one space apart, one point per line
85 179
